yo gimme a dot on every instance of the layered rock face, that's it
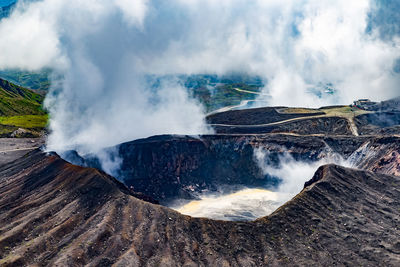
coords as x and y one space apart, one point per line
169 167
255 116
333 125
53 213
379 123
380 155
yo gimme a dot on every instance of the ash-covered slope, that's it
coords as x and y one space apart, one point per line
53 213
379 123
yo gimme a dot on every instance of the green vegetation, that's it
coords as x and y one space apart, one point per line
225 95
20 108
344 112
32 80
6 131
25 121
339 111
16 100
298 110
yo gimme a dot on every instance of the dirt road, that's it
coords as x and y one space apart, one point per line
349 116
13 148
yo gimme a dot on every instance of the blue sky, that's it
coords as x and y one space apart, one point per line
6 2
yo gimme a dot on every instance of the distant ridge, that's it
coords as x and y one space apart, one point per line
21 112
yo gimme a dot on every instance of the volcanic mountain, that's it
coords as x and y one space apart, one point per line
168 167
55 213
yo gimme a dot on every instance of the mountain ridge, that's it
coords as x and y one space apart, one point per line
55 213
21 111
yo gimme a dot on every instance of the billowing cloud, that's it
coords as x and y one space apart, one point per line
107 50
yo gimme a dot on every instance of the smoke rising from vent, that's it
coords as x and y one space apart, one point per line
244 205
250 203
106 50
291 172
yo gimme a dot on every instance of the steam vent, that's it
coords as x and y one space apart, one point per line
199 133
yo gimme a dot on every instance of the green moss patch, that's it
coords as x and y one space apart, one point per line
25 121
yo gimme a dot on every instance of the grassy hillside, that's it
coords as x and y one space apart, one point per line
224 95
21 112
31 80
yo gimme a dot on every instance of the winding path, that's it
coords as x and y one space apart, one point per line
349 118
249 92
19 149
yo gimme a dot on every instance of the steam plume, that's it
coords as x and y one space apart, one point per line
249 203
293 173
105 52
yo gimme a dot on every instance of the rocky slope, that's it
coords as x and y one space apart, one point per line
53 213
14 148
380 155
378 123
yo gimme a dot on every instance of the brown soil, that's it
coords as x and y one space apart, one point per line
53 213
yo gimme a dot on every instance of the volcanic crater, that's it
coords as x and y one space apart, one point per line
55 213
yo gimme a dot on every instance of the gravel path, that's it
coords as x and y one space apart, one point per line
13 148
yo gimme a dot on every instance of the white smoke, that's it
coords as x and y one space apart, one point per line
98 48
293 173
252 203
243 205
106 50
